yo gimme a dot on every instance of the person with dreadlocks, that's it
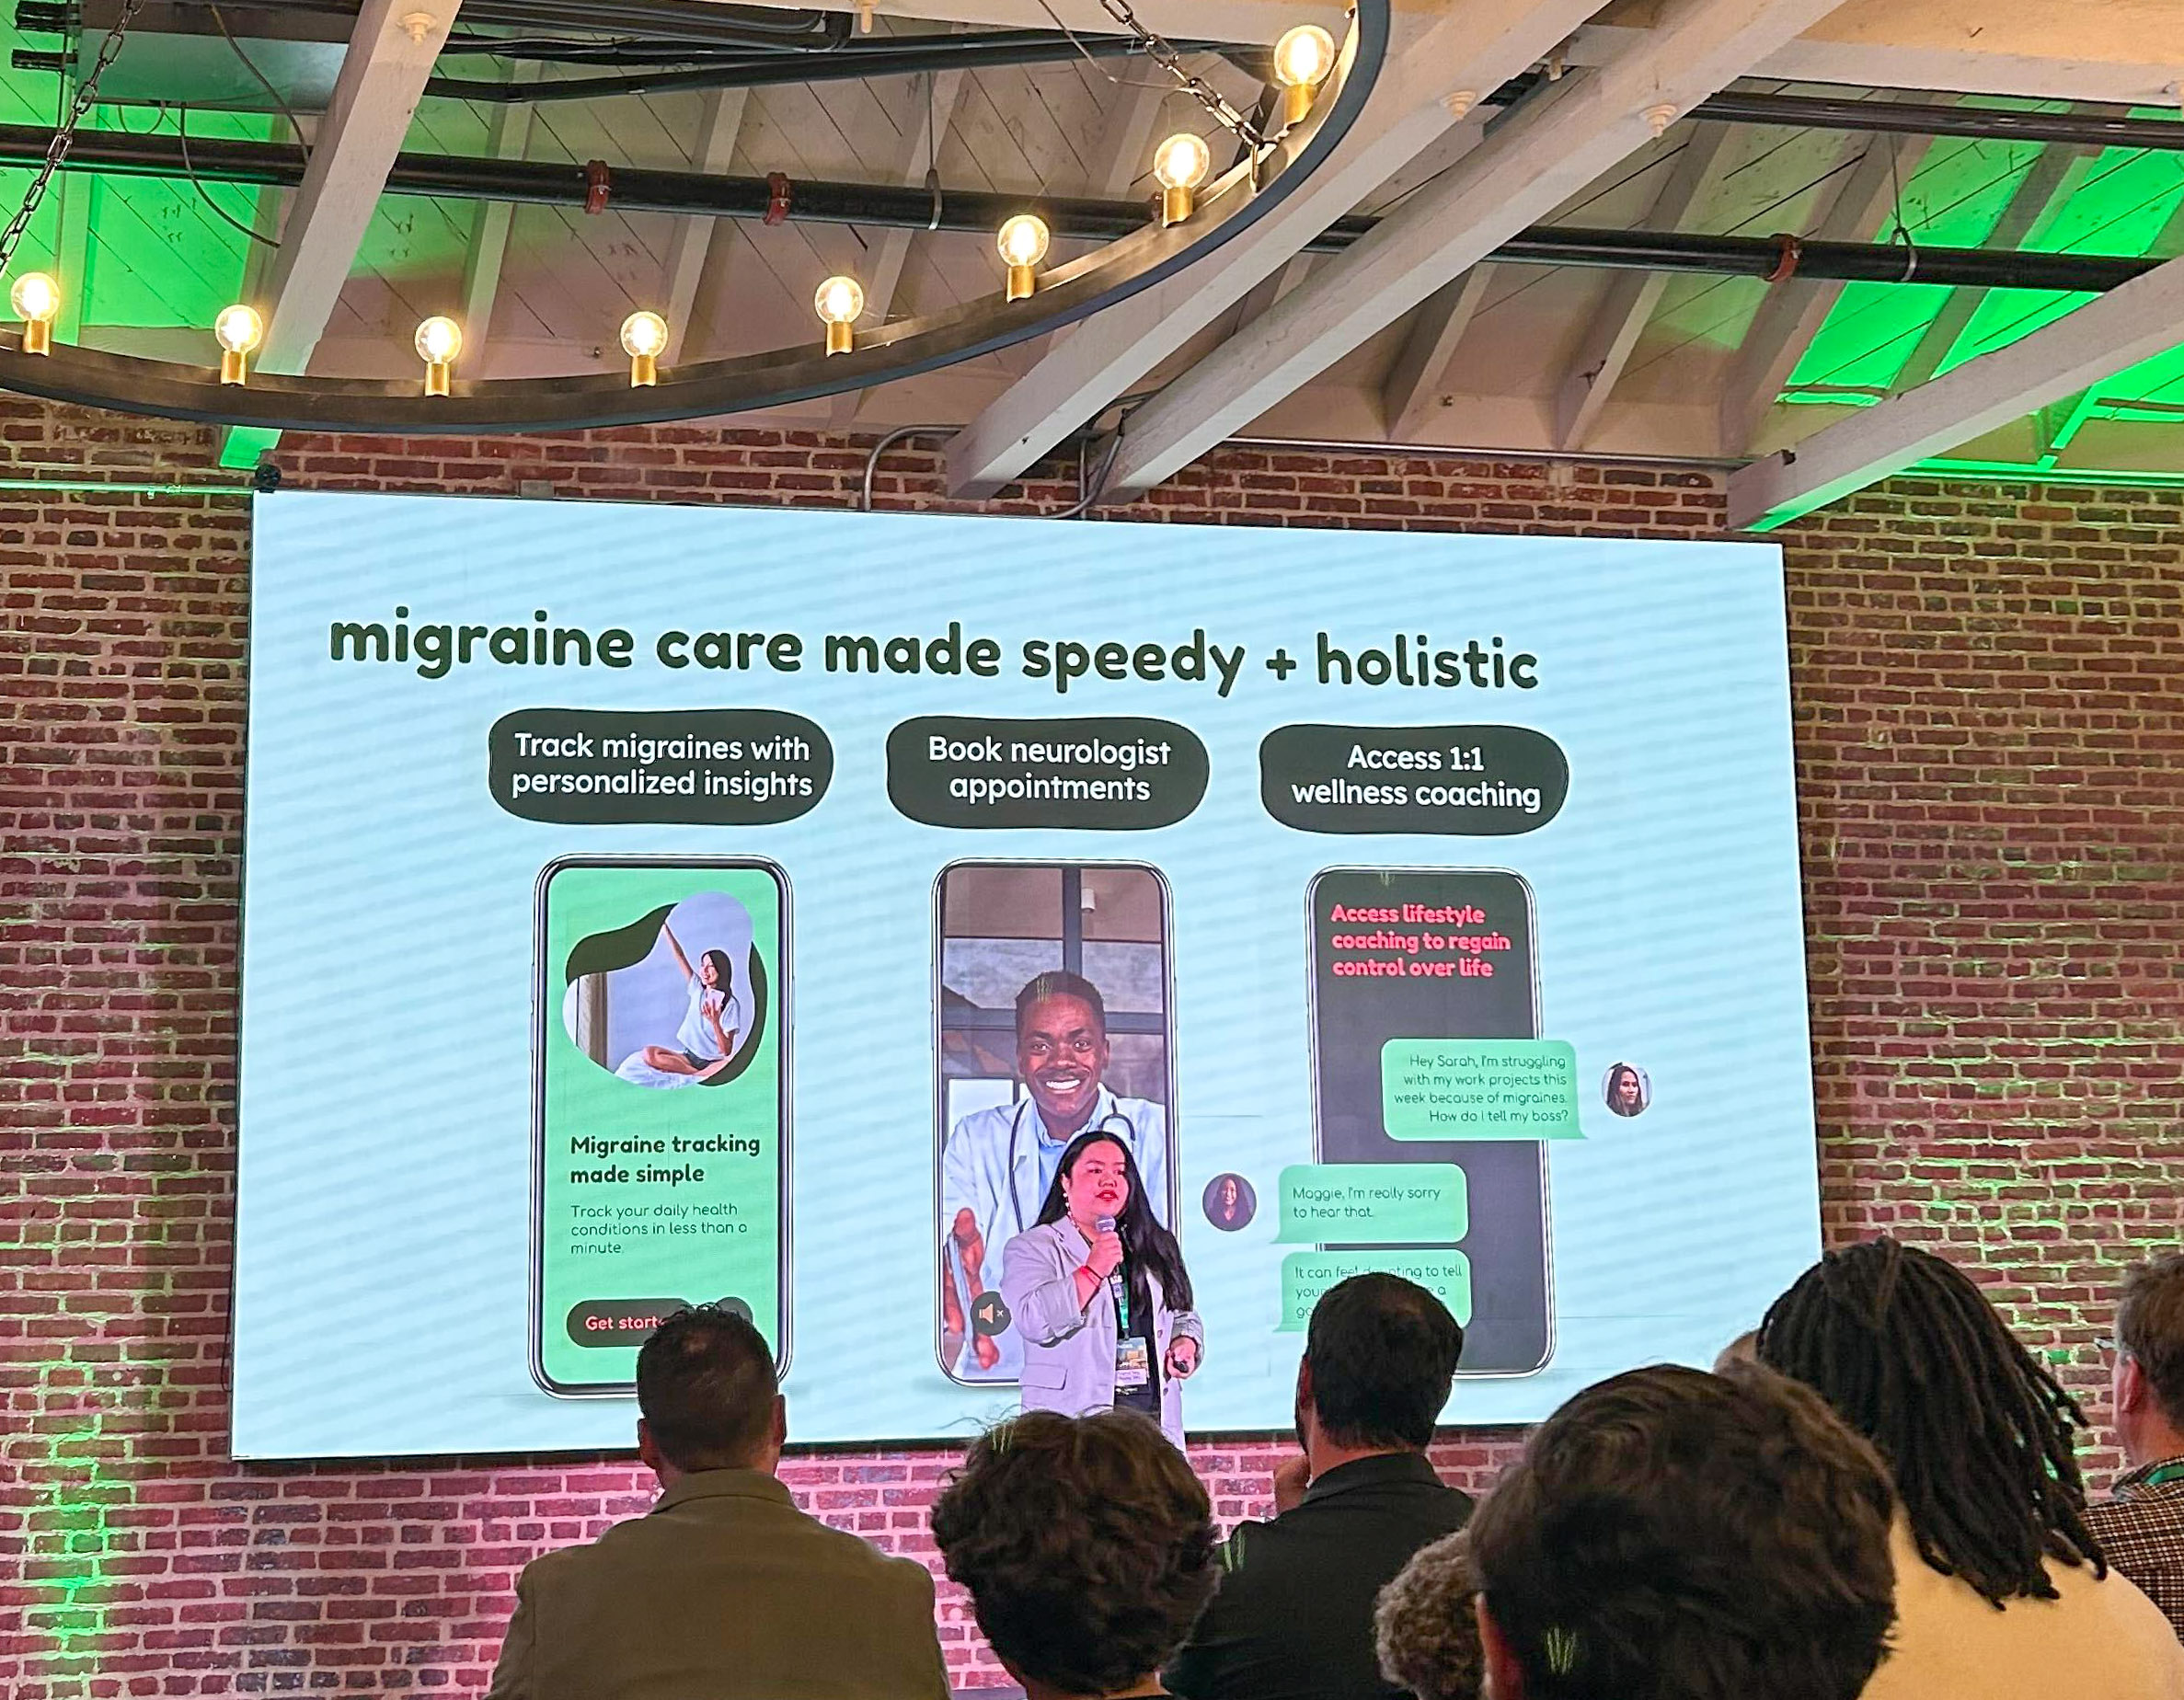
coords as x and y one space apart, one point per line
2001 1589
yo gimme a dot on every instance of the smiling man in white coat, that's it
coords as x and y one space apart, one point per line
999 1164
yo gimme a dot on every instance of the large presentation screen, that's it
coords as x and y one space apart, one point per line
1012 962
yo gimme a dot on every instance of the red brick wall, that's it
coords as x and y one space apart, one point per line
1988 684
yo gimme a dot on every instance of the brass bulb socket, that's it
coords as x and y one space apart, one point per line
232 369
437 372
1022 282
38 335
644 371
1296 101
839 338
1176 203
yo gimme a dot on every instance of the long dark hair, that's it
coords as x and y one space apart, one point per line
724 972
1976 1431
1145 1243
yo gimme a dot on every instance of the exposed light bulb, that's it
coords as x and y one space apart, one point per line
36 299
1022 241
1303 58
839 301
438 340
238 330
644 335
1180 166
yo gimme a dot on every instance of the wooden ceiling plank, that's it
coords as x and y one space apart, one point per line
1564 137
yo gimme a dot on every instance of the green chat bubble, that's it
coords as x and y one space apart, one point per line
1372 1203
1479 1088
1307 1274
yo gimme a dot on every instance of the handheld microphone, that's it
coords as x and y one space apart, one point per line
1106 1224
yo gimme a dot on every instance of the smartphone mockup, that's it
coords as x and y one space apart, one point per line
659 1107
1085 944
1416 953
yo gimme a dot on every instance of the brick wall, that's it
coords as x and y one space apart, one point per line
1988 689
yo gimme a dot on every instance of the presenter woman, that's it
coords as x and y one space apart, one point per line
1099 1294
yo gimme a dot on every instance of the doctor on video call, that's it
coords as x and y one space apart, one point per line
999 1163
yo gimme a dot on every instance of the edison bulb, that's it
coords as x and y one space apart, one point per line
1303 56
438 340
1023 239
1182 161
238 329
840 299
644 335
35 297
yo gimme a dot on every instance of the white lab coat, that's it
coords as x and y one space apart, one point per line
990 1167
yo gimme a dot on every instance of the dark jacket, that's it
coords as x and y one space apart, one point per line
1292 1619
724 1592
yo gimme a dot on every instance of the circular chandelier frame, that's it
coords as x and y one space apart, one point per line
1076 291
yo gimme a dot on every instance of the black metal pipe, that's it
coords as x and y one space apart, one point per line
1903 118
882 206
915 54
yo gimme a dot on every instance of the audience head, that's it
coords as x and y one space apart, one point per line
1425 1627
1976 1432
1670 1535
2149 1373
706 1389
1087 1545
1380 1354
1744 1349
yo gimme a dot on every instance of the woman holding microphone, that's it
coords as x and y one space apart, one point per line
1099 1294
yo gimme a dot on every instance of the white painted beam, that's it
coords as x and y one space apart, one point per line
2124 51
2128 325
1217 21
1474 47
937 94
1544 151
2038 200
712 151
1128 132
1411 396
1791 313
509 138
1612 336
391 52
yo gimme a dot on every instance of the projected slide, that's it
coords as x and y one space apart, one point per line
1015 964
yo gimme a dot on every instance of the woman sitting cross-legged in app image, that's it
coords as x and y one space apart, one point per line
1099 1293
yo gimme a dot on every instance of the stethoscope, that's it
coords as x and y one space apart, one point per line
1128 1139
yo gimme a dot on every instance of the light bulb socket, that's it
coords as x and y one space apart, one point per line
233 367
839 338
1176 203
437 372
644 371
1022 282
1296 101
38 335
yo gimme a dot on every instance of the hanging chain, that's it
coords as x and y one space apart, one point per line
1164 55
64 134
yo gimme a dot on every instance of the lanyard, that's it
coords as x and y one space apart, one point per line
2161 1476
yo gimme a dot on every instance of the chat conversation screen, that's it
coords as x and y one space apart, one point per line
1414 963
650 905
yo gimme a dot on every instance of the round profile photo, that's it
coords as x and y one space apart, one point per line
1625 1089
1230 1203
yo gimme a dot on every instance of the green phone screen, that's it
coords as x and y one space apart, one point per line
661 1107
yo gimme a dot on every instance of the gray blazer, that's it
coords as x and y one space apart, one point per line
1069 1351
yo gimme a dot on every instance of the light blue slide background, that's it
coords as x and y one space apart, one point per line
382 1282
